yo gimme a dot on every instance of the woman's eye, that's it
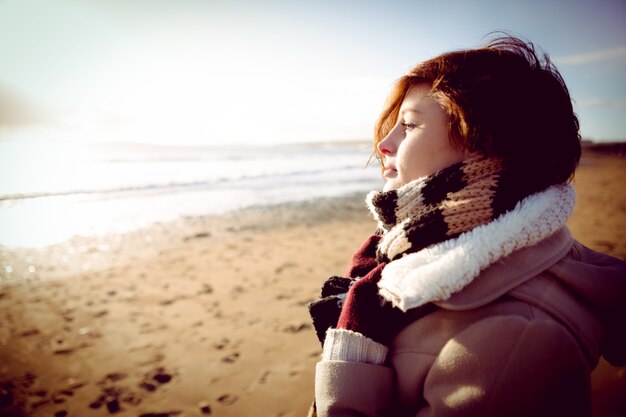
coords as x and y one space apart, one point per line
409 126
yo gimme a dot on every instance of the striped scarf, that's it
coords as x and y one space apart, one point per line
441 206
437 233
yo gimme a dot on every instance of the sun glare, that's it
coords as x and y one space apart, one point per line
210 95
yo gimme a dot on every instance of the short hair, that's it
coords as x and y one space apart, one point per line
503 100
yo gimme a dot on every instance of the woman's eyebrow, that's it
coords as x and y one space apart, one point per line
410 110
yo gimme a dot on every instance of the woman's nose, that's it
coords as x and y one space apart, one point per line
387 145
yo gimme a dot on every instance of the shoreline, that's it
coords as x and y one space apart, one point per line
82 254
209 313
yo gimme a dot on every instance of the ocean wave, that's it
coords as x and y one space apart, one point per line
350 173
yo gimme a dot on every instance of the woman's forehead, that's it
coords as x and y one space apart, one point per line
418 99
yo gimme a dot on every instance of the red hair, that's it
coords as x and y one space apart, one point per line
503 100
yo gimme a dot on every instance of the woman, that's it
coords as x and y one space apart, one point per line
472 299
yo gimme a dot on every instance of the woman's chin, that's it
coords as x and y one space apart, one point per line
391 184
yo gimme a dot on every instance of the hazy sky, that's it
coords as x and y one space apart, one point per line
187 71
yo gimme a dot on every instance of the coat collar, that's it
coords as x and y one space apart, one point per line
510 272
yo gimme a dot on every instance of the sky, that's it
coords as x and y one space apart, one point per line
213 72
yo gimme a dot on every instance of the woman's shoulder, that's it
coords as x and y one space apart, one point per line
430 333
579 291
506 360
583 261
586 290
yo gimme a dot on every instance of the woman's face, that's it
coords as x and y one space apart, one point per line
418 145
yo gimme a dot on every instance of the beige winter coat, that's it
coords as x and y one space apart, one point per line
520 340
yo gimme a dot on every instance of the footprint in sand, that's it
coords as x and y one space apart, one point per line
237 289
109 397
59 397
112 396
147 386
204 407
227 399
206 289
232 358
200 235
114 377
168 302
264 377
221 344
28 380
285 266
155 378
29 332
161 377
100 313
296 328
60 346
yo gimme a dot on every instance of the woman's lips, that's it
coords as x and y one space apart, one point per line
390 173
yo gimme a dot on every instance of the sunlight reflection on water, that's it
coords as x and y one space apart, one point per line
52 192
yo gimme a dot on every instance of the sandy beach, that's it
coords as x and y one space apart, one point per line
207 315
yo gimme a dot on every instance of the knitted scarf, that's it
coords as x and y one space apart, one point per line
439 207
435 273
438 232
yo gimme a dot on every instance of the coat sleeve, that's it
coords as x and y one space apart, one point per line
351 389
508 366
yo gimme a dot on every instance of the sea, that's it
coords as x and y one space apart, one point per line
51 191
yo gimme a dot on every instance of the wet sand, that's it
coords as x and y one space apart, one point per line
207 316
